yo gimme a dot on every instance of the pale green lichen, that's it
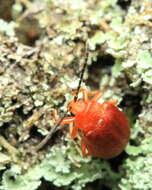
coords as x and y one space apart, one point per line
138 174
116 42
63 166
13 180
144 66
8 28
17 9
116 69
36 80
98 38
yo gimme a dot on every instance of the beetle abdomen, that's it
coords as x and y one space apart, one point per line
110 137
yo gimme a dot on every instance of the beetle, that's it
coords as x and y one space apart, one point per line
104 128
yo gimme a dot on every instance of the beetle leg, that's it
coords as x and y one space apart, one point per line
74 132
66 120
84 93
93 93
114 102
84 149
98 95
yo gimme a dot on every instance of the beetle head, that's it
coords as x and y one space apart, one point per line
76 106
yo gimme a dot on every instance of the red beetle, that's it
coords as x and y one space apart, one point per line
105 129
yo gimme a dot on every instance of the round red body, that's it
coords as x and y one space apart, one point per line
105 129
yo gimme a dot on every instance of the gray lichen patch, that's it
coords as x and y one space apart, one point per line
30 85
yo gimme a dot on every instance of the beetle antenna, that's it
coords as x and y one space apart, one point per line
49 135
82 72
54 129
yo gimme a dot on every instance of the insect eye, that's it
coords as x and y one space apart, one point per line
71 114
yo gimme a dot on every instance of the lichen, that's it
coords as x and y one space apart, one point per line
63 166
7 28
38 77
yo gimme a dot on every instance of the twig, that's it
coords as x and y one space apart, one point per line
4 143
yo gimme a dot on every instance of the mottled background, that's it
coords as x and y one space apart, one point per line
42 52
